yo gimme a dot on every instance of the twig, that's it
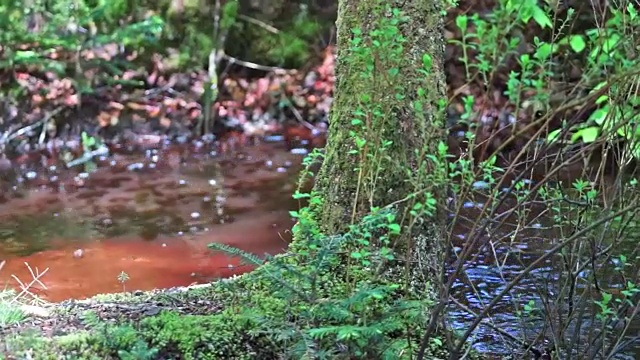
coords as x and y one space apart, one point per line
25 287
255 66
28 128
495 328
88 156
259 23
536 263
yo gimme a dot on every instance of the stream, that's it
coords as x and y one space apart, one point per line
147 213
151 208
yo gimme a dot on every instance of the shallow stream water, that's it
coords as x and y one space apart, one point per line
149 212
500 253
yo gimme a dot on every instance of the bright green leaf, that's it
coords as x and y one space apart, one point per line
577 43
543 51
602 99
599 116
394 228
588 134
554 135
461 22
427 62
541 17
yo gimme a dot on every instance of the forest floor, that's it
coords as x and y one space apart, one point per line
67 317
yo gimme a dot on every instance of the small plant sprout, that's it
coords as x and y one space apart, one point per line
123 277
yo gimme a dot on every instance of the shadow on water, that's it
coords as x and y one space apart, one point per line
148 213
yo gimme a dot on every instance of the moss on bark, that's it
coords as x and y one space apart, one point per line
337 181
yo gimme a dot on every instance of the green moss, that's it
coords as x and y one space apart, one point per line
259 313
319 297
31 345
219 336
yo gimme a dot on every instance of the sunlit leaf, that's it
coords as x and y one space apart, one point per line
602 99
599 116
554 135
636 151
577 43
541 17
461 22
587 135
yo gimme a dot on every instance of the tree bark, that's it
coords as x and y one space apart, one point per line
347 193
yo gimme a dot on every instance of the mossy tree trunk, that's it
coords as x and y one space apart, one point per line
390 80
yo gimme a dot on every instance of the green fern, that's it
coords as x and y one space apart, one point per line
320 315
245 257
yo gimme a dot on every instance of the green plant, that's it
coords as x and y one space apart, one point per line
32 36
347 295
139 351
123 277
10 312
218 336
584 223
615 95
122 340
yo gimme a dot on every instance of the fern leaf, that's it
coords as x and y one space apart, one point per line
245 257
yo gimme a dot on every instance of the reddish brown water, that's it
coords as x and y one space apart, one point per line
152 222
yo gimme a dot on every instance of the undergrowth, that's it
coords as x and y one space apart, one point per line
327 298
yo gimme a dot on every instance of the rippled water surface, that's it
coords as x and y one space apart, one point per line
499 254
149 214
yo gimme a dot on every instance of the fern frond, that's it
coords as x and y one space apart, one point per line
323 332
245 257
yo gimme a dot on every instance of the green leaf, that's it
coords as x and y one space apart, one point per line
394 228
299 195
25 55
636 151
427 61
588 134
554 135
633 13
544 51
541 17
461 22
577 43
602 99
599 116
627 131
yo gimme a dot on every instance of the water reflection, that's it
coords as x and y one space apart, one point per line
150 214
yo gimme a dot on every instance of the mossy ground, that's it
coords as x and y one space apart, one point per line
162 324
205 322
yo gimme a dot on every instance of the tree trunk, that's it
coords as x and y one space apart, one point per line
381 76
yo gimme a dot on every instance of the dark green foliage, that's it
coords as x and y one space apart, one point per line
30 35
199 337
314 304
330 297
52 36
